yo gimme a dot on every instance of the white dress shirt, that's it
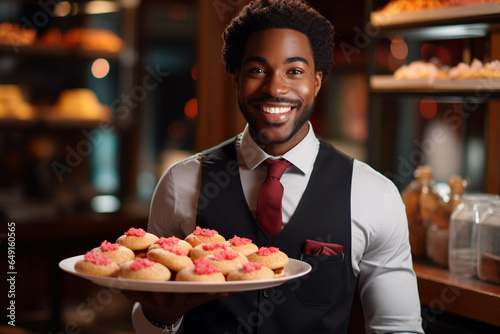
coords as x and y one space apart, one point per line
380 249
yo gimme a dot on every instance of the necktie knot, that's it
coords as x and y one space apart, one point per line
276 168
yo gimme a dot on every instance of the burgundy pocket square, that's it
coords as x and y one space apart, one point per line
313 247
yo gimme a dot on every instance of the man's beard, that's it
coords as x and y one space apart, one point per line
297 125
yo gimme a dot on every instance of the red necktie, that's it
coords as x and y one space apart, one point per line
270 197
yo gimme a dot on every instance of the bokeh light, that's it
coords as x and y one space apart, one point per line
399 49
100 68
191 108
428 108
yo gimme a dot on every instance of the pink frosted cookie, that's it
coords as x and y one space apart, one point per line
172 242
201 271
144 269
242 245
204 235
227 260
94 263
137 239
171 257
203 250
250 271
115 252
272 258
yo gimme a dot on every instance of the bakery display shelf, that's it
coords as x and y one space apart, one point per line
18 123
388 84
489 12
467 297
57 123
36 50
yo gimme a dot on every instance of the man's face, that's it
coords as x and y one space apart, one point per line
277 87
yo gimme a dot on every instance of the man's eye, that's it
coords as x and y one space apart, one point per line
256 70
295 71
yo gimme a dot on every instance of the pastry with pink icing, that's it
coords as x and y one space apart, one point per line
98 264
272 258
137 239
201 271
250 271
172 242
242 245
204 235
172 257
144 269
115 252
227 260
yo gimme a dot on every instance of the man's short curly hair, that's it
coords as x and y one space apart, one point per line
289 14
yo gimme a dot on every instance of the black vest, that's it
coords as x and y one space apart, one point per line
319 302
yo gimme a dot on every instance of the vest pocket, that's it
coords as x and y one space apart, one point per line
323 285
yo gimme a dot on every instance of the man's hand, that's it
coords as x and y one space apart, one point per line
167 308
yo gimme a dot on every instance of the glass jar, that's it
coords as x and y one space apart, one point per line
488 255
464 225
420 199
438 226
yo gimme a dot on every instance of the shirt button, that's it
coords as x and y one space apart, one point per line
268 293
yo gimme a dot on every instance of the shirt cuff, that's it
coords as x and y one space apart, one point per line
143 326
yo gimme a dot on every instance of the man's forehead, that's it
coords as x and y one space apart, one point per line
292 44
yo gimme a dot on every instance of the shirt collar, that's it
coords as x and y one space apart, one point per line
301 156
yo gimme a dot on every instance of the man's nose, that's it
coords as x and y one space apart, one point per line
275 85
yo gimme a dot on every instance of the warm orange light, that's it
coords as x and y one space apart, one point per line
100 68
444 55
428 108
399 49
194 72
191 108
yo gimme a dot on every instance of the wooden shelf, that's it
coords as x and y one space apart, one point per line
444 292
387 83
60 52
455 15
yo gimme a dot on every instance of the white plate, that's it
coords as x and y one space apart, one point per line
293 269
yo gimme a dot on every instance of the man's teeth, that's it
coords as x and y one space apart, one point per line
276 110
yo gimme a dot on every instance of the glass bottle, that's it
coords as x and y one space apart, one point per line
488 256
421 200
438 225
464 223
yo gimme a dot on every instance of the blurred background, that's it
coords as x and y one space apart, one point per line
98 98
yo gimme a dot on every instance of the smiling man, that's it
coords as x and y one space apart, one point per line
336 213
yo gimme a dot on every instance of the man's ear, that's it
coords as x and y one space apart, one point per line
318 77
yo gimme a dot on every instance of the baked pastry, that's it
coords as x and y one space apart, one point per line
465 71
401 6
174 242
137 239
144 269
13 104
227 260
115 252
204 235
80 103
420 69
15 34
171 257
272 258
203 250
491 70
201 271
250 271
94 263
242 245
